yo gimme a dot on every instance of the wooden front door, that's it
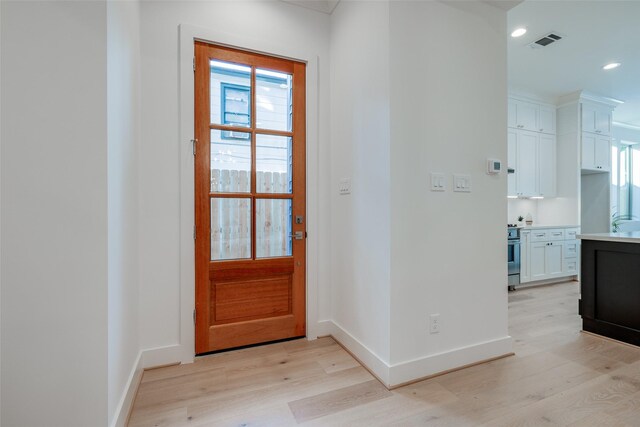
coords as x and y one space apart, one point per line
249 198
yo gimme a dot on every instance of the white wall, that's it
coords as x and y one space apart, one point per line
274 23
448 114
628 134
0 220
123 112
54 213
360 148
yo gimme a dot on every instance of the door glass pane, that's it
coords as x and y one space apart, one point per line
230 162
230 94
273 228
230 228
273 164
273 100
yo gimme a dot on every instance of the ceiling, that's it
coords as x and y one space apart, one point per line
327 6
595 33
324 6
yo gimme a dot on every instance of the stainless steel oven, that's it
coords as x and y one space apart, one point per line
513 256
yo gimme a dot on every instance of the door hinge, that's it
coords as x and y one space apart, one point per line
194 232
194 63
194 316
193 145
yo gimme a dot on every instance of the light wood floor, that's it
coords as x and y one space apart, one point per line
559 377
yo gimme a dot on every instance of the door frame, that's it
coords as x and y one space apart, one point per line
188 34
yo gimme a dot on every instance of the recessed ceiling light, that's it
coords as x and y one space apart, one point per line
518 32
611 66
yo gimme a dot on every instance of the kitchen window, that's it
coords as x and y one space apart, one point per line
625 180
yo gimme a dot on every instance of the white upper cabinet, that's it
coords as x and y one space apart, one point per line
596 118
596 152
547 119
511 113
531 148
526 116
531 116
512 162
603 153
532 156
527 164
596 140
547 165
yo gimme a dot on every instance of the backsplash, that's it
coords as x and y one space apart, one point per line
522 207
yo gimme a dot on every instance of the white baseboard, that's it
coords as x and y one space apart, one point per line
412 370
123 409
160 356
149 358
365 356
434 364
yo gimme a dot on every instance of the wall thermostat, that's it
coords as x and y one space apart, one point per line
494 166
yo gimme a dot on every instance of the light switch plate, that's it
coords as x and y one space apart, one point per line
344 186
438 182
462 183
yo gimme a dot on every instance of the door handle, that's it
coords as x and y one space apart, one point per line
298 235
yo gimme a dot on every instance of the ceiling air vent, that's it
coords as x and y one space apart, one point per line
546 40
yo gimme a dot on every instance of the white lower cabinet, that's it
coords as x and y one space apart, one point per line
538 258
554 256
571 255
548 254
525 255
570 267
546 260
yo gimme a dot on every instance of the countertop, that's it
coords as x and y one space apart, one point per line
625 237
539 227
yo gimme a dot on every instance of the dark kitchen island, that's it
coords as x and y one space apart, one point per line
610 285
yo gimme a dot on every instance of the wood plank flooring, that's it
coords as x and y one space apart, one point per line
558 377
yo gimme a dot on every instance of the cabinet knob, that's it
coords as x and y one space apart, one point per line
541 130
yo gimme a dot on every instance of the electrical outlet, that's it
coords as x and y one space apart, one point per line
344 187
434 324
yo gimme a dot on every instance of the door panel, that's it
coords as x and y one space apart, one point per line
249 185
527 154
538 260
527 115
554 258
588 151
547 165
603 153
